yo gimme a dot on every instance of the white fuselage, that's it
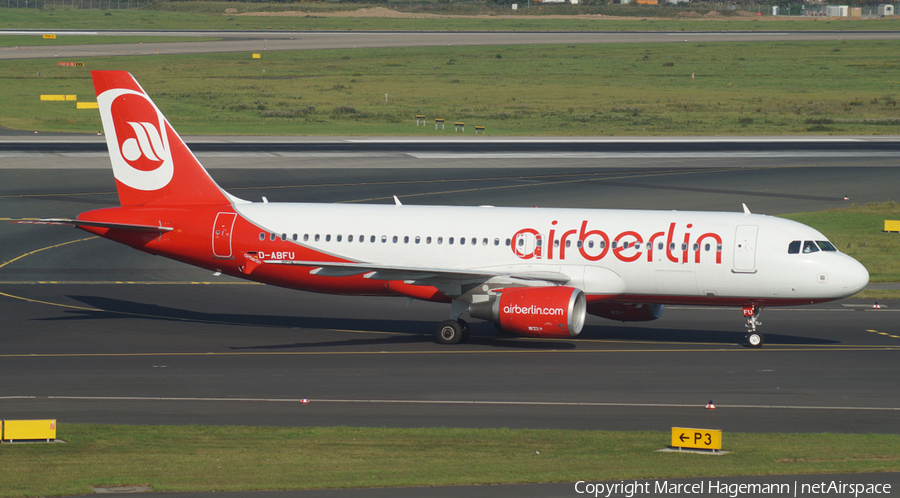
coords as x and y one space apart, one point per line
661 255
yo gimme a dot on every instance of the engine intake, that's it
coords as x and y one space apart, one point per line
536 311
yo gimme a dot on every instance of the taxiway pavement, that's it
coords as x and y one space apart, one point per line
97 332
254 41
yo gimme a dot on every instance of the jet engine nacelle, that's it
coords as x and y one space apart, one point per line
536 311
627 312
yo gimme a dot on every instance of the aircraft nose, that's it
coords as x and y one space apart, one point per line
854 276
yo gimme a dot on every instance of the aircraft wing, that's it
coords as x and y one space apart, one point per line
420 275
101 224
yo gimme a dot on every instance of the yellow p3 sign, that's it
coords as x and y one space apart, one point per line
705 439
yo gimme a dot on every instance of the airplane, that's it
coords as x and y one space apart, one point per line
536 272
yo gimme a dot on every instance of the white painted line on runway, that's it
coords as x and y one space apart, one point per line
448 402
615 140
35 31
644 155
723 33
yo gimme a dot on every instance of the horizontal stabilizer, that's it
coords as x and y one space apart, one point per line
100 224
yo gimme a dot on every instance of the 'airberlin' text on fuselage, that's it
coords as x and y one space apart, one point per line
628 246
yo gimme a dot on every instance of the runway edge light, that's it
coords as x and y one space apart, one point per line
29 430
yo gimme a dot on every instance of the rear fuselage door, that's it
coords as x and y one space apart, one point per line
222 235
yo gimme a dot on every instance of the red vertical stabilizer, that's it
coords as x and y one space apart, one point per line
151 163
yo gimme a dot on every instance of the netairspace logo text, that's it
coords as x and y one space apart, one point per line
714 487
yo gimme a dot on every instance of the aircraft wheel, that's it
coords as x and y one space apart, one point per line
466 330
448 332
754 340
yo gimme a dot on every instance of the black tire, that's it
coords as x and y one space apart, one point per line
448 332
754 340
466 329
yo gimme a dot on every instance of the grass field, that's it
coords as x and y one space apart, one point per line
192 458
779 88
211 15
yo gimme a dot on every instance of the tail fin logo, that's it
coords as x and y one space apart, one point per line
147 143
137 136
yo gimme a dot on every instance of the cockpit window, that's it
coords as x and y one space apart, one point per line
809 246
794 247
826 246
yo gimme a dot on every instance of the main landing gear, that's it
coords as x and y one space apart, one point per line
452 332
753 339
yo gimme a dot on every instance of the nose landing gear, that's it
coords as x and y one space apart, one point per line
753 339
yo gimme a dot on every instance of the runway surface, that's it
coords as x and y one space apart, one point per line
98 333
229 41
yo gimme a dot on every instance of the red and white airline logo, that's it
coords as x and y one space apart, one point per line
137 139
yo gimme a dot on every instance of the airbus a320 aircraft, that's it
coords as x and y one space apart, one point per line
534 272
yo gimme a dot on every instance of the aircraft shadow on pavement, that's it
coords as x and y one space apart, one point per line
109 308
404 331
648 334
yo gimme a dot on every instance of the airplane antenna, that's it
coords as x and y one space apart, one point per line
397 201
746 209
265 201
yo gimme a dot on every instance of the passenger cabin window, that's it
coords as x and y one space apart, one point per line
809 246
794 247
262 235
